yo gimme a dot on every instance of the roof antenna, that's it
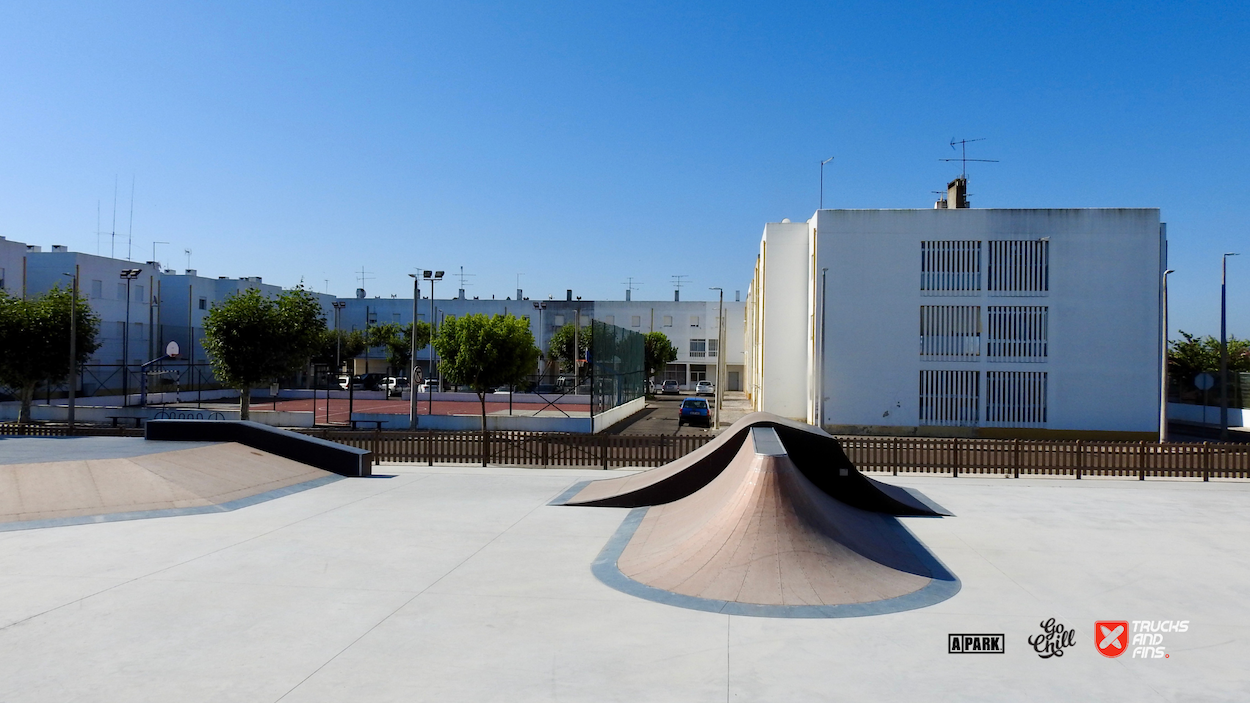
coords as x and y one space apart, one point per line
963 143
130 236
113 234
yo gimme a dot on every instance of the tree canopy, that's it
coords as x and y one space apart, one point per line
484 353
560 346
340 344
1193 355
34 340
657 352
252 340
396 341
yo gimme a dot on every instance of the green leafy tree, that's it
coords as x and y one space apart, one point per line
484 353
560 346
34 340
657 352
253 340
396 341
1193 355
340 344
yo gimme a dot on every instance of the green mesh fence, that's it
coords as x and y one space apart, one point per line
617 366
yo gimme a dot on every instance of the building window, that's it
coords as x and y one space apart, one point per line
121 330
635 321
1 279
668 320
610 319
949 398
713 345
1016 332
1015 398
1018 267
694 320
950 267
675 372
950 331
138 294
698 372
121 291
698 348
97 289
203 303
557 320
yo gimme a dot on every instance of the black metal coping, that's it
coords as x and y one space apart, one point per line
318 453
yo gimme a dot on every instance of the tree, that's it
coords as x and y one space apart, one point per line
1193 355
34 340
252 340
485 352
560 346
657 352
338 344
396 340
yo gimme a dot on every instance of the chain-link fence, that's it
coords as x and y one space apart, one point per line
617 366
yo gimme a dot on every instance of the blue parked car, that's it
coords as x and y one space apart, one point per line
695 411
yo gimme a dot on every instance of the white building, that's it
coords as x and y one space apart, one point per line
987 322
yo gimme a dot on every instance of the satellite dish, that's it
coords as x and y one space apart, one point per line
171 349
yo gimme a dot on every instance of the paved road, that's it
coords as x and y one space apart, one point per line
660 417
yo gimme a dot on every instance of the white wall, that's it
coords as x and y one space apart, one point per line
783 320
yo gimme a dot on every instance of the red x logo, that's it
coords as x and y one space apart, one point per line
1111 636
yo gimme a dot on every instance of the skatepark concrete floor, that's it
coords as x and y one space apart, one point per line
463 584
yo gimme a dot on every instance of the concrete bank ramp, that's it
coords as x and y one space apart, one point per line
816 453
762 539
106 479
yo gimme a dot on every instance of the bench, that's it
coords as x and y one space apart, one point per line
115 418
377 424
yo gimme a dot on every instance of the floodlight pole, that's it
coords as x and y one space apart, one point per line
1224 346
718 394
338 351
432 276
822 181
129 275
73 346
1163 367
412 362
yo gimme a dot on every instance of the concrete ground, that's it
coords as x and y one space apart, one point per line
462 584
660 416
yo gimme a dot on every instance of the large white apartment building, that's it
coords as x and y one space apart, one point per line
960 321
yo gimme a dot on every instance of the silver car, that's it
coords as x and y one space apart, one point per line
704 388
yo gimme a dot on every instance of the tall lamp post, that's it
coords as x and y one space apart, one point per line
432 276
73 346
412 362
128 275
1163 367
718 395
540 306
338 351
822 181
1224 346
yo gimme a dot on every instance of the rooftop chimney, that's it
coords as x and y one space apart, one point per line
518 293
190 272
568 295
677 296
956 195
360 293
59 247
627 291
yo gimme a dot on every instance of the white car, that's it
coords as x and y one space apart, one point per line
704 388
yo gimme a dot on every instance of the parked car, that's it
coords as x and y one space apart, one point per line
704 388
694 411
427 386
392 385
671 387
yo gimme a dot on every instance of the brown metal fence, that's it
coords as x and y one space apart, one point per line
13 429
543 449
1020 457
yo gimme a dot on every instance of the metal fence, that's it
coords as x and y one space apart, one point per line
618 366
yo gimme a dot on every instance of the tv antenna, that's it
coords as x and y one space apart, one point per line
464 282
364 276
130 235
963 159
631 284
678 282
188 253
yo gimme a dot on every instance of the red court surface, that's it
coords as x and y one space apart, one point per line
339 406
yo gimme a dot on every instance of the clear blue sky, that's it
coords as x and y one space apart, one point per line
583 143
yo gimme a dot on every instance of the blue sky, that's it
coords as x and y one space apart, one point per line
583 143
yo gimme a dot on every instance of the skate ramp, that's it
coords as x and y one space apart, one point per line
762 539
817 454
125 479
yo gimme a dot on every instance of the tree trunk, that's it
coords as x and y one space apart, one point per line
245 403
28 395
481 397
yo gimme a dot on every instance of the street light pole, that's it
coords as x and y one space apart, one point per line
1224 346
73 346
338 350
718 395
412 362
1163 367
129 275
432 276
822 181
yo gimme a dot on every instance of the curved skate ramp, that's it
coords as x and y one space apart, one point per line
762 539
106 479
817 454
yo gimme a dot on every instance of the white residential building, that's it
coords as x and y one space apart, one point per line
960 321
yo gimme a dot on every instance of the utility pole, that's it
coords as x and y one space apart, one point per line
1224 346
129 275
1163 367
719 395
412 362
73 346
822 181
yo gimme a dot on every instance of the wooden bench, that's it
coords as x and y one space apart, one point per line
115 418
377 424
